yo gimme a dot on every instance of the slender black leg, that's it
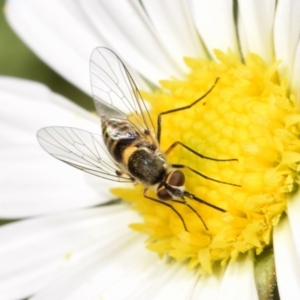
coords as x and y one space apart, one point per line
168 205
192 209
159 119
185 194
195 152
178 166
191 196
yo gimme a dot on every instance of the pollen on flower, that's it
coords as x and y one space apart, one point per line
249 116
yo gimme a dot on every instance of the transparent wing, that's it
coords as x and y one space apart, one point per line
114 91
80 149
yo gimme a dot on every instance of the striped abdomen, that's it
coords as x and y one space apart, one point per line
117 136
133 151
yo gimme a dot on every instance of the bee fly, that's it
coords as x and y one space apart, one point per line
129 145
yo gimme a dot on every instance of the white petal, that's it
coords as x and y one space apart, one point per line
238 281
215 23
208 286
286 36
294 220
131 36
161 281
32 182
126 273
59 33
27 106
295 85
174 27
255 19
37 251
287 262
175 283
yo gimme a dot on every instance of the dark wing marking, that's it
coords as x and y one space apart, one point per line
115 92
80 149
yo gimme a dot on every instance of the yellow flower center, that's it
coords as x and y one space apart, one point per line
250 116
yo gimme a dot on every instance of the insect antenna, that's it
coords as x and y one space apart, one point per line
193 197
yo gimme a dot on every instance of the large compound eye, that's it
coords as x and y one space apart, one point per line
163 194
176 178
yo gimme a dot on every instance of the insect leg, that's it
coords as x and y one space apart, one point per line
179 109
193 197
166 204
191 208
178 166
195 152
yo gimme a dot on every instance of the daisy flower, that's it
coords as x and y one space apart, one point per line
70 249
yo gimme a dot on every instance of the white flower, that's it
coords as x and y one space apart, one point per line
90 253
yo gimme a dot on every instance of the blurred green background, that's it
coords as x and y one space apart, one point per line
17 60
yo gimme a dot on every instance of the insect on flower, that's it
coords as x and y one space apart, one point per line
129 145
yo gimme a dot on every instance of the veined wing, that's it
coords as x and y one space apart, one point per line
80 149
114 91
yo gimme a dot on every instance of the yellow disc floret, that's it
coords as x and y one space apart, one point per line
249 116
